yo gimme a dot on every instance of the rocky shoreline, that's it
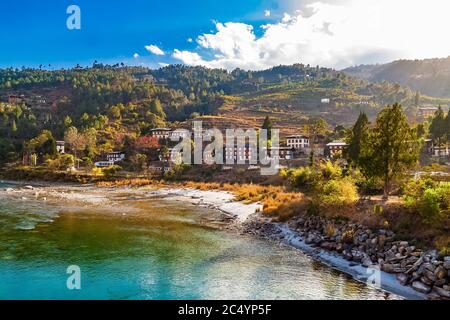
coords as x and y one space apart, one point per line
424 272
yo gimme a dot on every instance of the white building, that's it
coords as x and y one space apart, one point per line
297 142
443 151
334 148
281 153
60 147
239 153
161 133
115 156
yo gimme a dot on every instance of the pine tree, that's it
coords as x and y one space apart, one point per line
417 99
391 148
156 108
268 125
438 129
357 135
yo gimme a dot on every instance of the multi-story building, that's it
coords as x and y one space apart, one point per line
281 153
335 148
426 112
297 142
161 133
115 156
60 147
239 153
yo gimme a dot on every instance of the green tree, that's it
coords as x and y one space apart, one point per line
417 99
358 134
268 125
439 129
156 108
391 148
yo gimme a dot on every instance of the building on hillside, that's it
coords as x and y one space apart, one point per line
281 153
297 142
178 135
325 101
61 147
335 149
161 133
428 146
16 99
426 112
115 156
443 151
435 151
238 153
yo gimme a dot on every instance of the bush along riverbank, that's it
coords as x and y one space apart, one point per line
424 271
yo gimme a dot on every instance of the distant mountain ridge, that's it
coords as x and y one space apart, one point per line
430 76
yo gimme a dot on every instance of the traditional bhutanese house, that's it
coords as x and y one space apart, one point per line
442 151
239 153
428 146
436 151
297 142
161 133
61 147
426 112
281 153
335 148
115 156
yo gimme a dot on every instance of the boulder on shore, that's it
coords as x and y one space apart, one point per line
421 287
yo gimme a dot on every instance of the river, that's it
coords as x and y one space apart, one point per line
140 248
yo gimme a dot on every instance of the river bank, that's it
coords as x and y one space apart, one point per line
252 222
298 234
131 243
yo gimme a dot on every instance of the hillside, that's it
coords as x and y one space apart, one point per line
430 77
118 104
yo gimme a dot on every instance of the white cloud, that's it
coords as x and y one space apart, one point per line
155 50
190 40
188 57
136 55
266 13
162 64
334 35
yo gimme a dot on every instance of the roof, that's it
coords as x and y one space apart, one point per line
336 143
161 129
428 108
297 136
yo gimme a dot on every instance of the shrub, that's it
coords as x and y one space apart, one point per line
430 198
340 192
302 178
63 162
330 170
110 171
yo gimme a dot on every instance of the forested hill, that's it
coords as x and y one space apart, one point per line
431 76
113 102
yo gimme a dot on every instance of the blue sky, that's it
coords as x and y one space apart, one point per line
248 34
34 32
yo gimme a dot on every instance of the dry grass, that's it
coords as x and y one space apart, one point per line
277 201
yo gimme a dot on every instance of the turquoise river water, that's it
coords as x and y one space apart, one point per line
140 248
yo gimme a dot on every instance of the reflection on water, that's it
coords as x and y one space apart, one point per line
151 249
